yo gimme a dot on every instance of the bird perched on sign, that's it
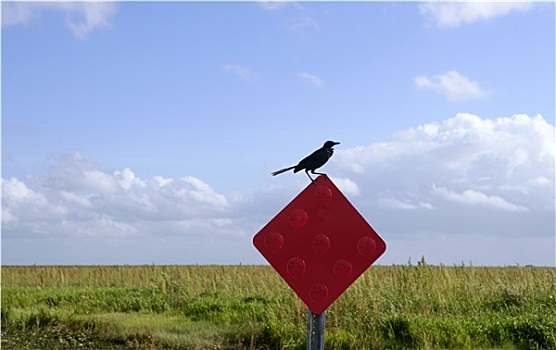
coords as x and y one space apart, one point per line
313 161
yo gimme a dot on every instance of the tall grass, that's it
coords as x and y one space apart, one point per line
250 307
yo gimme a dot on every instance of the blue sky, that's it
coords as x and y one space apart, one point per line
145 132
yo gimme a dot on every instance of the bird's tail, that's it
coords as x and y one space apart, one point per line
282 170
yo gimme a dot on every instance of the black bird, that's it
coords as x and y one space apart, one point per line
313 161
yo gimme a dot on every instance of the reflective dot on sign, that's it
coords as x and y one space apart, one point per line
318 292
322 195
342 269
366 246
296 267
298 218
273 241
320 244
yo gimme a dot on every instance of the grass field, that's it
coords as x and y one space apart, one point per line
250 307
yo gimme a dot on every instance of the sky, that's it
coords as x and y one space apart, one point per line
146 132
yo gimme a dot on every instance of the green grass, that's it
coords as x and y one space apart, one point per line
250 307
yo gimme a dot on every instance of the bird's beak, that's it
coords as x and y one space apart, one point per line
336 143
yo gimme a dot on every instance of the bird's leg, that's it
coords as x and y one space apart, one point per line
307 172
314 172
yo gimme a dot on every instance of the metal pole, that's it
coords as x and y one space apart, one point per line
315 331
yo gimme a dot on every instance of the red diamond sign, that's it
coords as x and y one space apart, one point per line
319 244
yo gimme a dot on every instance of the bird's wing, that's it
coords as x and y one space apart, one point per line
313 161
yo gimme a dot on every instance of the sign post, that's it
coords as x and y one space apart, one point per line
319 244
315 331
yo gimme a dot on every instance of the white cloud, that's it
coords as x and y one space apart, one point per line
15 190
272 5
90 16
78 198
242 72
296 18
22 204
311 79
347 186
437 184
454 14
473 197
406 204
74 198
539 181
201 192
456 179
302 24
396 204
507 163
99 181
15 13
127 179
452 85
81 17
